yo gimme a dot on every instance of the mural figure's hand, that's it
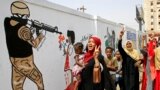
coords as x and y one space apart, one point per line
40 37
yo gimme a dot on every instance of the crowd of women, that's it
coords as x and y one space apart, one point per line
94 71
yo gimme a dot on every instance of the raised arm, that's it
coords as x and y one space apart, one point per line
143 41
121 50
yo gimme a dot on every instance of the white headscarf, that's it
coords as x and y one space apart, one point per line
131 51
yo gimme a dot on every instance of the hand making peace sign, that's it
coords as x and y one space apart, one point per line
96 52
121 33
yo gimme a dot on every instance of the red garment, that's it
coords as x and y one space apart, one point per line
71 86
151 54
144 76
88 57
150 51
157 81
67 65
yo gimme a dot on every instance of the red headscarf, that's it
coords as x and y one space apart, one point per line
89 54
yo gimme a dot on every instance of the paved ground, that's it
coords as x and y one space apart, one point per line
117 87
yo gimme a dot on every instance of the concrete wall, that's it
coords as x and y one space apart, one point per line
49 58
109 33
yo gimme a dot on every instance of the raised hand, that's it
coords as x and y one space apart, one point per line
76 57
95 55
143 37
151 36
121 33
96 52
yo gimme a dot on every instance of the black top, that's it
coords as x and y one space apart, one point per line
130 73
87 77
16 46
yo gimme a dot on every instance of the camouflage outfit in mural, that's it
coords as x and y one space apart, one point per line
20 41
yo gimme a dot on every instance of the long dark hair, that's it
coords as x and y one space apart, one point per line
71 34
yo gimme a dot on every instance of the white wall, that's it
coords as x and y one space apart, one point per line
49 59
105 29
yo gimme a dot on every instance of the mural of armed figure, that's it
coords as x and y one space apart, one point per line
20 41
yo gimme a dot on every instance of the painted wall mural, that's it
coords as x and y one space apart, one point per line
85 37
66 44
20 40
110 39
132 36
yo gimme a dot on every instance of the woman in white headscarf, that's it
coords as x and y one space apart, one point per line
130 65
131 51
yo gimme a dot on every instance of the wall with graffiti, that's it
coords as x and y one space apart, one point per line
37 40
36 51
109 32
139 38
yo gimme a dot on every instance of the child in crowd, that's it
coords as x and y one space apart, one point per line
79 65
111 63
119 70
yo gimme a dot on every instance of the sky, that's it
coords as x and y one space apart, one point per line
119 11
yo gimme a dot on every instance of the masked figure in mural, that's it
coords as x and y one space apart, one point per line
95 75
130 64
20 41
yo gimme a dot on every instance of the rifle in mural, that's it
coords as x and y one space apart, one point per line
37 25
42 26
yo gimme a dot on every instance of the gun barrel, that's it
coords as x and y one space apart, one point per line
50 28
36 24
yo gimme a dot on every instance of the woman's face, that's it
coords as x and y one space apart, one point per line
91 44
129 44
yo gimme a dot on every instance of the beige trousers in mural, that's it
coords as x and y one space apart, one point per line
23 68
